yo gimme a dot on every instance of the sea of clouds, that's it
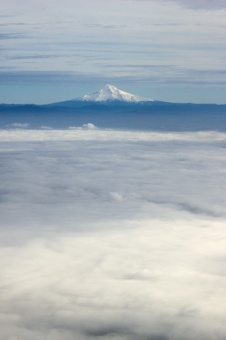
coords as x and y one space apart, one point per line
112 235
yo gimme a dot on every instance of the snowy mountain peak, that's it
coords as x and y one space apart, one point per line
112 93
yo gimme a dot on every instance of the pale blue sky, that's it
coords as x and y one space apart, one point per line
172 50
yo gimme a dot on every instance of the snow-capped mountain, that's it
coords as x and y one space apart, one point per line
111 93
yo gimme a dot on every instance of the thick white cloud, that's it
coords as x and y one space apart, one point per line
145 279
112 234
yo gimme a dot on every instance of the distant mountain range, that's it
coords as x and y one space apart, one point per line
114 108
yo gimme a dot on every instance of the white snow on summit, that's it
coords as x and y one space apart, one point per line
110 93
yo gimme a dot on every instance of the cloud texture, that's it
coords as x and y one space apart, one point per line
112 235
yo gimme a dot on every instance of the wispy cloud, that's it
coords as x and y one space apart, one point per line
201 4
5 36
160 74
194 4
42 77
19 125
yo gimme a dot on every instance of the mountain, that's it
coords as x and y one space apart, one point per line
108 95
111 93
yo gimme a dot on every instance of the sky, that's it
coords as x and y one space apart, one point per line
112 235
171 50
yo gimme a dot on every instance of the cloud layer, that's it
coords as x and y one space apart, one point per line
112 235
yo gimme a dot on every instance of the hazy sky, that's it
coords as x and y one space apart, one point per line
170 50
112 235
